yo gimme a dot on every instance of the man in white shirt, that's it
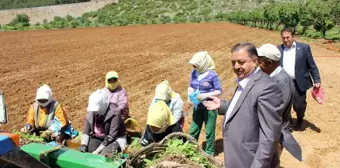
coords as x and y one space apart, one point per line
252 124
298 62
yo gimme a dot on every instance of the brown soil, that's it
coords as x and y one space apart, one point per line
74 63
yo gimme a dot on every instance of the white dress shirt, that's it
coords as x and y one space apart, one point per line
241 85
289 57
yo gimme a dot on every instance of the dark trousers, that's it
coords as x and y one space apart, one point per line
94 143
150 137
299 101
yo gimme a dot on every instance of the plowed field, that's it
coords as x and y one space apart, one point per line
74 63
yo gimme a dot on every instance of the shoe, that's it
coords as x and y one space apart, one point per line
299 124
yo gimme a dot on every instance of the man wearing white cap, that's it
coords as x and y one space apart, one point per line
269 61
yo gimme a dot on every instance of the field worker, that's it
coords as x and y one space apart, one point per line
160 123
117 95
104 129
47 115
204 82
164 92
269 61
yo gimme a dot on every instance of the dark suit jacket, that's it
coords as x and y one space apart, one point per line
305 67
251 133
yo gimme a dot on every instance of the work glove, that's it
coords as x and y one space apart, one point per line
83 148
98 150
46 134
202 96
27 128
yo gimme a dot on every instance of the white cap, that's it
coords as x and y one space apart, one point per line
269 51
98 102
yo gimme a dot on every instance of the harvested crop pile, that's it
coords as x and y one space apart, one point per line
28 138
175 150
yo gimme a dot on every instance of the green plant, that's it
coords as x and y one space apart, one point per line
21 19
29 137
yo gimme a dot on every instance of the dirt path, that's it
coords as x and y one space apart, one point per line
74 63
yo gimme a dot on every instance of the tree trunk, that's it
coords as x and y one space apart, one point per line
304 29
323 31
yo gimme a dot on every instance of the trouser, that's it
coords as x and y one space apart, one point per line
150 137
94 143
200 115
299 101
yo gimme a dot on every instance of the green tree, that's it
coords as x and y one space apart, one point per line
20 19
289 14
321 13
271 14
335 11
306 18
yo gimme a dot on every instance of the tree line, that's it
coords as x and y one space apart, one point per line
322 15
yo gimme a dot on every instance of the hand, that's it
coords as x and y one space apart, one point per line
83 148
213 104
189 102
96 152
27 128
317 85
202 96
46 134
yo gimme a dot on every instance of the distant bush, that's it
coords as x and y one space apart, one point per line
20 21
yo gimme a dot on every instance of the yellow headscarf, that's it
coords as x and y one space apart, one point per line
111 86
163 91
160 115
203 61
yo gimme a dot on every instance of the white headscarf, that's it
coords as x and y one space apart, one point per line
203 61
163 91
98 102
44 92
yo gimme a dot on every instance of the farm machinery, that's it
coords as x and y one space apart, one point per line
36 155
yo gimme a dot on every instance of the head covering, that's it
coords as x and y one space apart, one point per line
269 51
110 75
44 92
163 91
160 115
98 102
203 61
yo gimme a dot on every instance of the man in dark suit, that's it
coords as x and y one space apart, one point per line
252 122
298 62
269 61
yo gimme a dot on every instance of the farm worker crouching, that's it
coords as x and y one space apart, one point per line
174 101
104 129
204 82
160 121
47 115
117 94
